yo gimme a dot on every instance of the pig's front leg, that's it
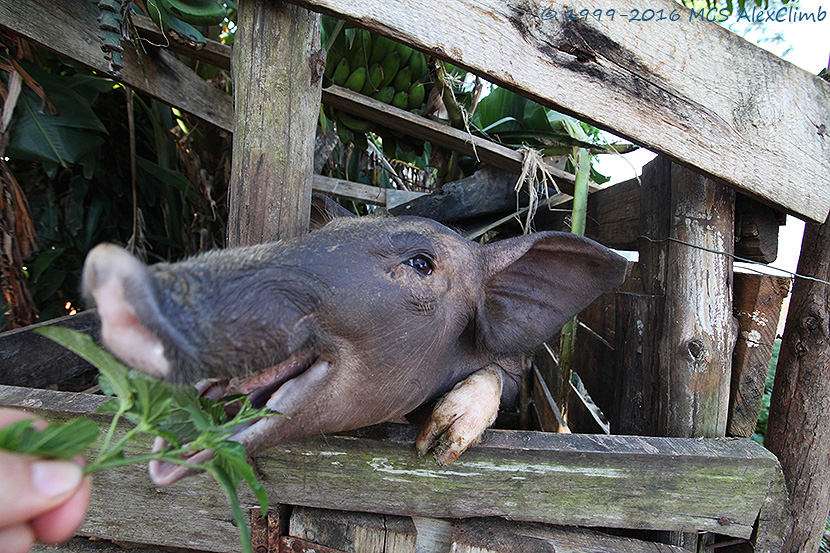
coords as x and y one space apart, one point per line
461 416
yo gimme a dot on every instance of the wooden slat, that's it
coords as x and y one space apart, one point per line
635 380
758 301
613 216
29 359
699 106
437 133
501 536
610 481
365 532
84 545
354 531
157 73
349 190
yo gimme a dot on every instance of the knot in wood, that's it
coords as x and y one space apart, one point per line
809 323
318 65
696 348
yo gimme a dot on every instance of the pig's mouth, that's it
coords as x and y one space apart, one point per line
263 388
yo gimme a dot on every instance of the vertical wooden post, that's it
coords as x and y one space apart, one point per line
636 382
686 218
758 300
277 70
798 431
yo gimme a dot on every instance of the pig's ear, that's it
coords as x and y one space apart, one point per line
122 289
534 284
324 209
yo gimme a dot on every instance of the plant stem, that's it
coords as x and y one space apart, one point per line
582 164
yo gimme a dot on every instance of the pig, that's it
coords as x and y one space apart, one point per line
361 321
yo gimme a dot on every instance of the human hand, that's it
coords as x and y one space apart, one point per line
40 499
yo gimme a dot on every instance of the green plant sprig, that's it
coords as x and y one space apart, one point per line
186 421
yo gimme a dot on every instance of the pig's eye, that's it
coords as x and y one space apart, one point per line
421 263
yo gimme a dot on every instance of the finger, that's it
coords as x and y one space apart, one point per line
16 539
61 523
30 487
8 416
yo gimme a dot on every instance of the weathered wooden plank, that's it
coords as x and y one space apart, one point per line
349 531
289 544
567 479
500 536
154 72
84 545
685 218
278 65
611 481
486 151
29 359
614 74
364 532
635 379
349 190
757 307
613 216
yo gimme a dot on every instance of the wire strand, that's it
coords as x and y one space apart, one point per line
737 258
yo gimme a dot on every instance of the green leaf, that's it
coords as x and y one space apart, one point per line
177 414
56 441
233 459
63 138
114 372
229 488
500 104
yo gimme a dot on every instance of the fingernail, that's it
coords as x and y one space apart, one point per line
54 478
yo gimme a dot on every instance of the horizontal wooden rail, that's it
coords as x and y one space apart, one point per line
723 486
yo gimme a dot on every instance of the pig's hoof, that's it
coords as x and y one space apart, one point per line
462 416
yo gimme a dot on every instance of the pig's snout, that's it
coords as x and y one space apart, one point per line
114 279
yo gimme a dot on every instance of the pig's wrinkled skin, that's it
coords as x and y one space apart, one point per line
358 322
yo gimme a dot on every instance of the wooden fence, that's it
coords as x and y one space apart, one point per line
667 85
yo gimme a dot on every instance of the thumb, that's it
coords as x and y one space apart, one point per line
30 487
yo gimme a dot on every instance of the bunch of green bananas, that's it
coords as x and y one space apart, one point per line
178 17
379 67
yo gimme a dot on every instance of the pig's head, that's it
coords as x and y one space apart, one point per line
358 322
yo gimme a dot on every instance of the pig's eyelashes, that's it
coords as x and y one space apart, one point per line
421 263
